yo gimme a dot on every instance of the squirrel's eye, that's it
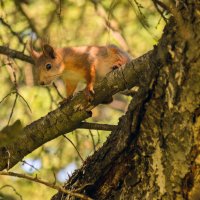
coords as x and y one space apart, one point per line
48 66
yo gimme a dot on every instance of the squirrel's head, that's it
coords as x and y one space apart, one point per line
48 64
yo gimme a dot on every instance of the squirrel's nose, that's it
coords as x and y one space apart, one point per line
42 83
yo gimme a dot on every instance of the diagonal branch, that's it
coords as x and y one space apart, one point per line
156 4
110 25
15 54
14 190
11 30
28 19
69 116
48 184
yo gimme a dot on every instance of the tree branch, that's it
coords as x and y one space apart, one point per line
159 11
95 126
113 27
14 190
28 19
10 133
12 31
15 54
74 148
51 185
69 116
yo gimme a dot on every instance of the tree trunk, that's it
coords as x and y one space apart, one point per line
153 154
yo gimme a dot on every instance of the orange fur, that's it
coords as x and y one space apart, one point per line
73 64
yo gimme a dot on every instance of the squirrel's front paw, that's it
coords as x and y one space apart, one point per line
89 94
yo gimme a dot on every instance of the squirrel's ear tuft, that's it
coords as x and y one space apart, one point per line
49 51
34 54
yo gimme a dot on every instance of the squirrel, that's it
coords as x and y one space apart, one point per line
74 64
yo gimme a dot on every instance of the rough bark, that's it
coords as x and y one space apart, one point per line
153 154
69 116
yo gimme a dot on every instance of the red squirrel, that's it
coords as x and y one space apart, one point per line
74 64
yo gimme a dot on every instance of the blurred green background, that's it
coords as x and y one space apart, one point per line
133 26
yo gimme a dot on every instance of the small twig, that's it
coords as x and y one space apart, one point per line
77 139
25 102
12 110
11 30
95 126
17 193
116 32
93 142
28 19
51 97
16 89
14 74
32 166
17 94
60 95
60 9
37 180
158 23
54 175
162 5
13 92
74 147
24 47
155 2
141 17
98 140
139 6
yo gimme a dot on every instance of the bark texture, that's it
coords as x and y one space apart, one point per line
69 116
154 152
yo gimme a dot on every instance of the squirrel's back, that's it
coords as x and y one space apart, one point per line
104 58
108 57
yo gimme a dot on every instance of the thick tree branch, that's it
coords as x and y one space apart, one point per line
69 116
10 133
15 54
